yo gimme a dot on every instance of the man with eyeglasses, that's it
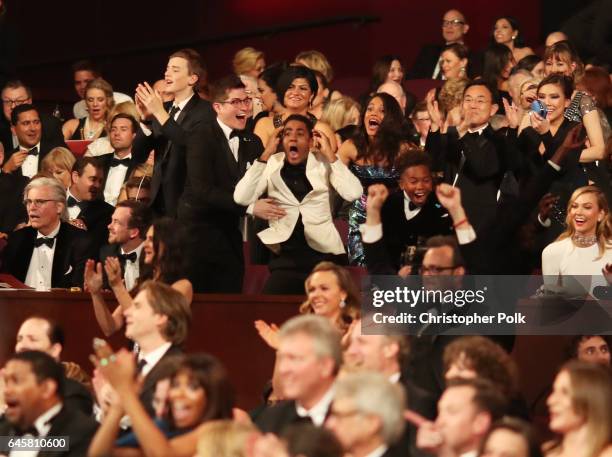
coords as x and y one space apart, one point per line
167 126
427 64
32 148
16 93
218 156
49 252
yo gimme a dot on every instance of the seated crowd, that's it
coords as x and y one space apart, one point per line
502 168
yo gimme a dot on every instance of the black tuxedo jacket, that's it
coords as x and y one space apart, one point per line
12 209
68 422
212 175
72 249
148 387
170 144
275 419
51 136
96 215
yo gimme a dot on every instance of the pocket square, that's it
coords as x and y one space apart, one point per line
69 270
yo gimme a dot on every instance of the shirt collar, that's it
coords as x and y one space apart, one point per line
227 131
42 423
23 148
479 130
318 412
155 355
69 194
395 377
379 451
469 454
182 104
129 156
138 250
53 234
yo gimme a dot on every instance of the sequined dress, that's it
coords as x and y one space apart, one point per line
368 175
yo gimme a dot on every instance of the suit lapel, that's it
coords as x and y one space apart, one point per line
226 151
59 257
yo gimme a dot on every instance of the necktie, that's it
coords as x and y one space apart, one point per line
38 242
175 109
412 206
235 133
33 151
74 202
140 366
473 135
116 162
131 257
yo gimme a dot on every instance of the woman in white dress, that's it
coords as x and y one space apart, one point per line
585 247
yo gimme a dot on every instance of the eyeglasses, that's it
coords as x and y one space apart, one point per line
434 270
453 23
16 102
237 102
37 203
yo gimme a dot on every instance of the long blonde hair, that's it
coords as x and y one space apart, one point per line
604 227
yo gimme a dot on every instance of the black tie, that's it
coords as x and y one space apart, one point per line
131 257
74 202
38 242
33 151
474 135
28 431
175 109
115 162
140 366
412 206
235 133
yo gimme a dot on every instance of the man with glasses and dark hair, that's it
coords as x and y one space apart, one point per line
49 252
170 125
427 64
218 156
16 93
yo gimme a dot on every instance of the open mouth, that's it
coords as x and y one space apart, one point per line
181 412
420 195
373 123
579 221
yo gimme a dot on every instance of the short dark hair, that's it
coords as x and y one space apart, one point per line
528 62
195 65
16 84
292 73
481 82
44 367
459 49
518 427
82 162
439 241
566 83
141 216
272 73
576 341
487 397
21 109
300 118
167 301
221 87
413 158
86 65
55 332
130 118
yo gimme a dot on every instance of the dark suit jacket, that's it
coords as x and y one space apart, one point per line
148 387
72 249
12 209
76 396
96 216
277 418
51 136
208 201
68 422
170 144
428 57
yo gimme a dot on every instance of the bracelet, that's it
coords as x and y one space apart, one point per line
461 222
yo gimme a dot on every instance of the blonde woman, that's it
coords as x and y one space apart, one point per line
58 163
99 101
248 63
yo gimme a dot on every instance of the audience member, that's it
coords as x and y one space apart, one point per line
225 437
386 69
58 164
591 348
248 64
49 252
137 188
454 61
102 145
507 31
267 83
510 436
99 101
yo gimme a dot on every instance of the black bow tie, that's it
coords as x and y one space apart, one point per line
235 133
38 242
28 431
131 257
74 202
412 206
115 162
473 135
140 366
33 151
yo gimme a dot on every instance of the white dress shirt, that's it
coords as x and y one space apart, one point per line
379 451
41 263
318 412
29 167
73 211
114 181
234 143
43 425
131 269
410 213
153 357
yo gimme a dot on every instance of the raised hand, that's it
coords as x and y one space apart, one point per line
119 369
512 114
323 145
545 205
572 142
272 144
14 161
434 111
268 209
268 332
150 99
448 196
92 278
539 124
113 271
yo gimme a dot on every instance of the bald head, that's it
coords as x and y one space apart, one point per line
395 90
555 37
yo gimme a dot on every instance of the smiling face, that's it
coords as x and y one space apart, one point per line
584 214
297 141
33 335
478 104
417 183
396 72
141 321
87 186
503 32
325 294
553 97
374 115
452 65
298 95
454 27
179 81
268 96
97 104
235 109
187 400
559 64
28 128
563 417
149 247
118 230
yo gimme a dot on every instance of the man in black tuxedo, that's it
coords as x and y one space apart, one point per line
427 64
118 166
126 234
33 393
49 252
171 123
16 93
12 211
218 155
86 209
408 217
39 333
308 384
27 156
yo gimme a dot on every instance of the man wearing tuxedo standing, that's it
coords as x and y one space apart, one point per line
170 125
49 252
218 155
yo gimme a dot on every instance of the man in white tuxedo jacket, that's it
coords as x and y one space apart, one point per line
299 181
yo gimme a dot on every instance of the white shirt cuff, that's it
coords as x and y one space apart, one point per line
545 223
371 233
465 235
146 130
554 165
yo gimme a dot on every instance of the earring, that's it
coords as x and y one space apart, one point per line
342 303
462 70
514 37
